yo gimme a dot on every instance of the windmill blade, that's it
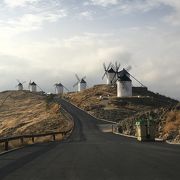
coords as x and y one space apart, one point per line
104 75
114 79
23 82
104 65
18 80
109 66
77 77
84 77
106 69
40 88
137 81
117 66
114 68
76 84
66 88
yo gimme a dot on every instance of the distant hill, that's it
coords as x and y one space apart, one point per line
101 101
23 112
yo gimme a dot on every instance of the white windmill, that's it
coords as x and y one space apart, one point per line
32 86
124 83
20 85
59 88
81 83
109 73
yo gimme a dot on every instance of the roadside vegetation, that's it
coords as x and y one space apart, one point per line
171 125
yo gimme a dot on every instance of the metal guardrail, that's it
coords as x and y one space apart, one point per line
21 138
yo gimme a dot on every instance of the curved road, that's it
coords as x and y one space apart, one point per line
89 154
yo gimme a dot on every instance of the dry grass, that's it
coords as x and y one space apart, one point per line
27 113
172 124
91 97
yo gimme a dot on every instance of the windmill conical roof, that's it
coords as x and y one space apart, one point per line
82 81
59 84
124 78
20 84
122 72
111 70
33 83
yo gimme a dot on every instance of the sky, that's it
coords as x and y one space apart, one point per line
49 41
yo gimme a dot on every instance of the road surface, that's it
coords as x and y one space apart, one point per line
89 154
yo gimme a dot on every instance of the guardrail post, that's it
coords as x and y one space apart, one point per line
54 137
6 146
32 139
22 140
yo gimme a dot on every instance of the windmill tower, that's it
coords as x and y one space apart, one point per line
124 86
81 83
109 73
32 87
20 85
59 88
124 83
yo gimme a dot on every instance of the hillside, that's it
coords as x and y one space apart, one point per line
23 112
101 101
170 126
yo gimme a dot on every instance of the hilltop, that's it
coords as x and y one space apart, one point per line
101 102
23 112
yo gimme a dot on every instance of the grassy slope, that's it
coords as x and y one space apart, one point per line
102 102
27 113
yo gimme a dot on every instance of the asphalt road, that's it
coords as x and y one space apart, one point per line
89 154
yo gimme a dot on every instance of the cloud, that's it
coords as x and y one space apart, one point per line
19 3
127 7
86 14
104 3
174 17
29 22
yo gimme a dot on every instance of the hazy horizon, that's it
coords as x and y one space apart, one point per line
49 41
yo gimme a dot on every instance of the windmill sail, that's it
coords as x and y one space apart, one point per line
81 83
106 69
